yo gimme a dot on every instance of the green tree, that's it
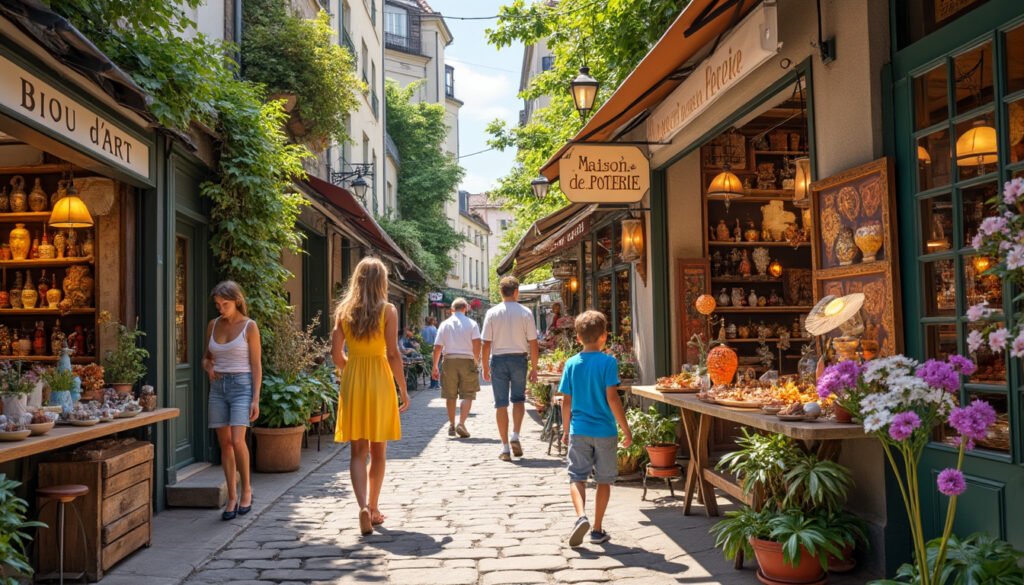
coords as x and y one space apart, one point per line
609 37
427 178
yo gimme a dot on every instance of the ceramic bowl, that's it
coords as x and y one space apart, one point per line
41 428
15 435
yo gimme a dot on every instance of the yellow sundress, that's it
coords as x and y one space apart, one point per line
367 403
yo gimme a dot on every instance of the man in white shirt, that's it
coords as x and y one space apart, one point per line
458 339
509 336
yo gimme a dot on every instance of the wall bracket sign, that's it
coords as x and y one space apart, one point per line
604 173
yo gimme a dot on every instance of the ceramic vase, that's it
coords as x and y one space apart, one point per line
78 286
59 243
5 200
19 242
89 245
845 247
723 298
29 294
752 299
47 251
744 267
868 238
15 405
5 299
738 297
19 201
5 251
53 297
761 261
15 292
39 340
722 231
37 198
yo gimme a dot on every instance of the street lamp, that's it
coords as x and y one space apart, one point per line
356 178
584 91
359 186
540 186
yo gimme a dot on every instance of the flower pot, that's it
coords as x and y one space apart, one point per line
662 454
774 568
14 405
122 388
843 563
278 450
842 415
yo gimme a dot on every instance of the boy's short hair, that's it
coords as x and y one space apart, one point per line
590 325
509 285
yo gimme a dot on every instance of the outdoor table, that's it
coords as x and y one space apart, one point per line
62 436
697 416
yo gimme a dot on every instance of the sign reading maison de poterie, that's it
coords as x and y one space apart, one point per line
751 43
41 104
602 173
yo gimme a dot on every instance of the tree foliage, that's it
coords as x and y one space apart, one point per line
427 179
611 37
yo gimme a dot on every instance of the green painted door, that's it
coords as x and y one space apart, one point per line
187 430
958 116
315 296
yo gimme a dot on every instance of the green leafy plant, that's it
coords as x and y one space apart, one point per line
634 454
284 403
125 364
795 530
540 391
12 381
58 380
322 390
651 427
978 559
733 533
290 350
760 463
13 535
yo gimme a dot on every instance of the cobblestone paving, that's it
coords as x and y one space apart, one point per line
459 516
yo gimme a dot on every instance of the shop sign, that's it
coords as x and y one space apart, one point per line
435 297
568 238
750 44
590 173
41 104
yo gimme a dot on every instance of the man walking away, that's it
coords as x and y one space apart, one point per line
429 335
509 334
458 339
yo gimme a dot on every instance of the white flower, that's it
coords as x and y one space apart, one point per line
978 312
975 341
876 421
997 339
1017 347
1015 257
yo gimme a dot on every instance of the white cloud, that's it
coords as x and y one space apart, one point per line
477 184
486 95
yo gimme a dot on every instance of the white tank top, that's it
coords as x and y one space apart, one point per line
231 357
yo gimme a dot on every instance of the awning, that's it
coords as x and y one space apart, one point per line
346 202
684 45
546 237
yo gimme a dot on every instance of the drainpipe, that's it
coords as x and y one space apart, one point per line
238 32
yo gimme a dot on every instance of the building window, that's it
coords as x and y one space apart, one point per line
401 29
464 204
503 224
449 81
365 55
547 63
396 21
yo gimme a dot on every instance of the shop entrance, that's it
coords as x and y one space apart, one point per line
189 332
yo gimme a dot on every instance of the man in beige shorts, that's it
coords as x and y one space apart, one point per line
458 340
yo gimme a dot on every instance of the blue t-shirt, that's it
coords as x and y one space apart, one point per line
586 378
429 334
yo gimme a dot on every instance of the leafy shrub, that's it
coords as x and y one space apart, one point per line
125 364
13 537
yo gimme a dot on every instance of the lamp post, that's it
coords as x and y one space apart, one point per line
540 186
584 91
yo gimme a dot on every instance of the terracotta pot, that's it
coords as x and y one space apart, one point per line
772 565
843 563
662 454
842 415
122 388
278 450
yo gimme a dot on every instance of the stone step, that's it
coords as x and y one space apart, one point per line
199 485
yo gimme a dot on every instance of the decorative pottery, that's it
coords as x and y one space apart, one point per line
19 201
772 566
751 234
19 242
766 175
737 232
33 253
60 243
730 331
842 415
5 200
37 198
662 455
743 331
53 296
744 267
29 294
774 299
761 261
848 201
60 193
868 238
5 340
78 286
72 244
47 251
278 450
752 299
722 364
57 339
722 232
89 245
15 292
23 345
15 405
762 301
738 297
723 299
39 340
5 251
845 247
43 287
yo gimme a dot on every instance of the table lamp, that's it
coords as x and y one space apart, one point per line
842 313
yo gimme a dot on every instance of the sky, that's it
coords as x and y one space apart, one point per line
487 80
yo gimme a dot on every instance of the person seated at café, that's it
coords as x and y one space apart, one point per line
409 347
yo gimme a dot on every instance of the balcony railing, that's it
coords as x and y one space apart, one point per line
407 41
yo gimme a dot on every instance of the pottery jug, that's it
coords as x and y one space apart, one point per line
19 242
752 299
868 238
15 292
5 200
738 297
37 198
59 243
722 231
846 249
723 299
47 251
29 294
19 201
60 193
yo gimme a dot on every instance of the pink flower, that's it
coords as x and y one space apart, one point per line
951 482
962 364
975 341
1017 347
997 339
978 312
1015 257
1012 190
972 421
903 425
992 225
977 241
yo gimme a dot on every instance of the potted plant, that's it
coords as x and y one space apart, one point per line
629 458
125 364
13 538
58 380
540 395
14 389
657 433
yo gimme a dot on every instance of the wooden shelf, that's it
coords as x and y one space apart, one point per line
45 312
26 217
54 263
797 309
738 280
85 359
38 169
781 152
769 340
743 245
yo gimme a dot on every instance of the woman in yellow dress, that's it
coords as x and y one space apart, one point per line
366 324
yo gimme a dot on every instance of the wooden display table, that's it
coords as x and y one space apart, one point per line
697 416
62 436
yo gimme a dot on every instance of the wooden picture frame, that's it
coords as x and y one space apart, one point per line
856 197
693 278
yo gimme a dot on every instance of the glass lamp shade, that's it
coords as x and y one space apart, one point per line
726 185
584 91
923 157
540 186
802 183
70 212
359 186
977 146
632 239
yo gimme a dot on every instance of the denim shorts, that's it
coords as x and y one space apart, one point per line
230 399
508 379
597 454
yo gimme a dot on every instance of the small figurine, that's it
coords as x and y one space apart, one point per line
744 268
737 232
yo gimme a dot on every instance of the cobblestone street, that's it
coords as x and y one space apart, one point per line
458 515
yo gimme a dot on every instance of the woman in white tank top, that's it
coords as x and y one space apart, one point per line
233 363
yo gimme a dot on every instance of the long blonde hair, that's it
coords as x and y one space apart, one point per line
364 300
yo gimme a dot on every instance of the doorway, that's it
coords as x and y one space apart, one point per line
188 430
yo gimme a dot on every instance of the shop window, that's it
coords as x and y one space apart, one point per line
973 81
991 365
915 19
937 224
941 340
604 252
1015 123
1015 60
604 296
980 287
933 160
976 207
180 300
976 147
931 98
940 288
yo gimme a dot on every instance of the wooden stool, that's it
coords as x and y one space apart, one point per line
63 494
666 473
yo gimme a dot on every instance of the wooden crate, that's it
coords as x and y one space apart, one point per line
117 512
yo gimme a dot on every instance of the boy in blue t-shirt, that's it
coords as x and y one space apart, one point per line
590 409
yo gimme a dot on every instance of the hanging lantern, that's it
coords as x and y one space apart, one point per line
584 91
978 146
632 240
802 183
70 211
540 186
775 269
726 186
705 304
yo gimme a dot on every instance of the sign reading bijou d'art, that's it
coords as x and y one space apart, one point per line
750 44
43 105
589 173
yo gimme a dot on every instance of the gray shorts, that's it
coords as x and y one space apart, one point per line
230 399
597 454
